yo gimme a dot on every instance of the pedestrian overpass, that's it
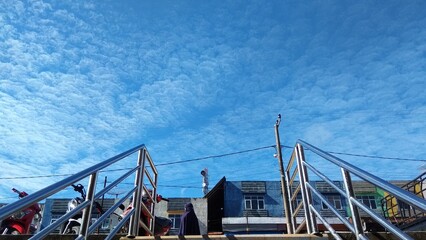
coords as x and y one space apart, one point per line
405 208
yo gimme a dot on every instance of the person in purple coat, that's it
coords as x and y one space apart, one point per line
189 222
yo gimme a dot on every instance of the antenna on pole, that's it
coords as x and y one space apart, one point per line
277 123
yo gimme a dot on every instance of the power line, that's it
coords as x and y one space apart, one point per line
222 155
369 156
38 176
177 186
214 156
163 164
372 156
59 175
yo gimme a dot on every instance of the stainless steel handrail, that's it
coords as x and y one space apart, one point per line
301 169
402 194
92 172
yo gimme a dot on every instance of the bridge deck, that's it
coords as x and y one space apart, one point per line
374 236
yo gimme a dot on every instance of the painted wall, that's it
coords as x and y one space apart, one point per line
234 199
273 200
46 215
200 208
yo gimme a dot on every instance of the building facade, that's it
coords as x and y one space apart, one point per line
257 206
56 207
242 207
173 209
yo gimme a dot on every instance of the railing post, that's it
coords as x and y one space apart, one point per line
292 194
154 201
308 193
290 203
87 212
354 209
134 220
306 197
285 195
153 195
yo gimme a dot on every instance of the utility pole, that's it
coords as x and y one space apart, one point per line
286 201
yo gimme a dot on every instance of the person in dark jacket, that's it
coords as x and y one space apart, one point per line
189 222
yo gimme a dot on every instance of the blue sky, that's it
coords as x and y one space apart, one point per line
82 81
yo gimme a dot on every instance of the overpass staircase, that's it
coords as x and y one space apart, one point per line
403 207
403 215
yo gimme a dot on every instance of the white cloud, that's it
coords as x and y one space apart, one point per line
83 81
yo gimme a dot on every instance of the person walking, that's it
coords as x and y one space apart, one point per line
189 222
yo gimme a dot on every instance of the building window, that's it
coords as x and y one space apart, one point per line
254 202
334 200
369 201
175 220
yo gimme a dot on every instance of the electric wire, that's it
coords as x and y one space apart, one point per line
214 156
368 156
219 156
379 157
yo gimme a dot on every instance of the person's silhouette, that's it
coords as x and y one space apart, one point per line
189 222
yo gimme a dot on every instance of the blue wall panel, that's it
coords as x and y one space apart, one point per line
234 199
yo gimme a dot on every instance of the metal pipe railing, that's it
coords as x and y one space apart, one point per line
87 212
107 213
381 220
45 231
356 217
326 224
137 195
42 194
331 207
405 196
86 227
325 178
347 170
401 214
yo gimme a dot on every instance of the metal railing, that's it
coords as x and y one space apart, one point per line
301 193
398 212
144 170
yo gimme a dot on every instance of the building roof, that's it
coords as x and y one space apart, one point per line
218 187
